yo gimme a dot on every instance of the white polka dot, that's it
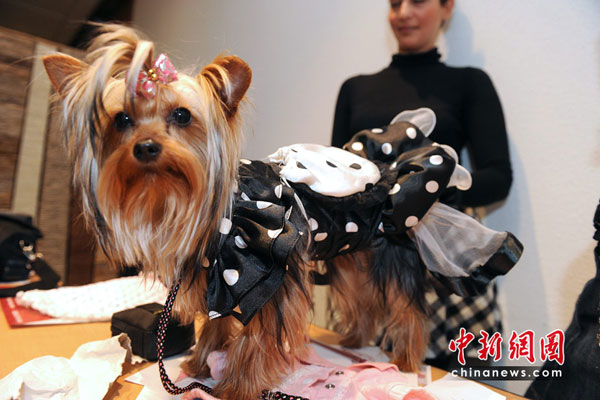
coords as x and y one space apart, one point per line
288 213
273 233
313 224
432 186
357 146
245 197
278 191
319 237
380 227
377 130
436 160
225 226
411 132
346 247
351 227
239 242
394 165
386 148
213 315
244 161
395 189
263 204
411 221
205 262
231 276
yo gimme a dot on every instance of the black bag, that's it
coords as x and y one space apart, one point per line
18 256
141 323
17 246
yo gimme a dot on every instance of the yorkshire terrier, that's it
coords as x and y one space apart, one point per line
156 156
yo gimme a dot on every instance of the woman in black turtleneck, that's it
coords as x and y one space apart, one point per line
468 114
464 100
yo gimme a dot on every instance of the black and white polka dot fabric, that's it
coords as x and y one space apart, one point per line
422 168
381 187
326 170
271 213
252 256
386 181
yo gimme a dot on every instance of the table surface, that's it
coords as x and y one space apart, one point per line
20 345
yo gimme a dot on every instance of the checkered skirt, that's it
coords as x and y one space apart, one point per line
450 313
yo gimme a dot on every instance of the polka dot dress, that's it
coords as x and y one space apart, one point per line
338 200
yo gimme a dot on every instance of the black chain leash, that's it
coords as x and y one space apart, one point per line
169 386
160 344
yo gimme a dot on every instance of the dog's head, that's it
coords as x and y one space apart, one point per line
155 153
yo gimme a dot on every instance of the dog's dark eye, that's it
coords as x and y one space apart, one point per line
180 116
123 121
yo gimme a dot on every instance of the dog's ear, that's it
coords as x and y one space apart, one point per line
61 69
239 75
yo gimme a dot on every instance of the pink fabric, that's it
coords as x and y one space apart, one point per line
316 378
216 363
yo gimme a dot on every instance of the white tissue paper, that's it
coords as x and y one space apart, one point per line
97 301
149 377
456 388
88 374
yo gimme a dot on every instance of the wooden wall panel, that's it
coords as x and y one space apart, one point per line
55 200
40 175
16 54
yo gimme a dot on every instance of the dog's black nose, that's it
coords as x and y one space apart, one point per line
146 150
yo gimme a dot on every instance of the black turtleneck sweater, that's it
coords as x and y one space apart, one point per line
466 105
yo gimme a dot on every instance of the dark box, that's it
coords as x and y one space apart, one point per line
141 325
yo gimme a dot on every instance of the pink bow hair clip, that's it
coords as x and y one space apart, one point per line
162 71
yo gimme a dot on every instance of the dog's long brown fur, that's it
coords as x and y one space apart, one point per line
365 310
261 349
164 214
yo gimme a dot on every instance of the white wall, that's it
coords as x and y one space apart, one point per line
299 51
544 60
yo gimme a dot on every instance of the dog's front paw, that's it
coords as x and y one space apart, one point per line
353 340
197 394
195 369
406 363
236 391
